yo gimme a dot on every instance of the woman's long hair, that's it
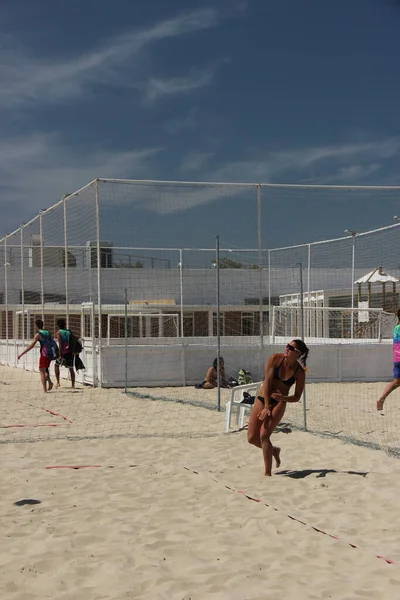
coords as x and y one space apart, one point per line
302 360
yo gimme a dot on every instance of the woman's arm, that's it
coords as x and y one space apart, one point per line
300 382
268 378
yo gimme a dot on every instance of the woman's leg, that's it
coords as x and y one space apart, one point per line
208 386
267 429
388 389
277 456
254 426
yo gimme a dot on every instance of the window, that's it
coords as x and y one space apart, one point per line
221 324
248 323
188 324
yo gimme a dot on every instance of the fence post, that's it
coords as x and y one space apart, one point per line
260 263
273 325
6 292
66 260
301 302
218 326
353 257
22 285
302 337
99 308
41 262
269 296
308 319
183 356
126 338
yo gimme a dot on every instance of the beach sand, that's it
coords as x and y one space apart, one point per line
155 516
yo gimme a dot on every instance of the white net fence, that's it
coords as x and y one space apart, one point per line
157 287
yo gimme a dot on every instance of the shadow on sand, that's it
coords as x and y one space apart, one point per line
318 472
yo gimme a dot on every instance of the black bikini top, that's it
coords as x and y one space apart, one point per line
289 382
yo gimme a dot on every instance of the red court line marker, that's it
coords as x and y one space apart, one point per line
334 537
51 412
57 414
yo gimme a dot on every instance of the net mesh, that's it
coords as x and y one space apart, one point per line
160 278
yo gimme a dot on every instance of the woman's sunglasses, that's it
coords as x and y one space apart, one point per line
292 348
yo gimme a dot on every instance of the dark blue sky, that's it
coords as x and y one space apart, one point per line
227 90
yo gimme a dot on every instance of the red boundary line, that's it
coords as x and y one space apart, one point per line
51 412
334 537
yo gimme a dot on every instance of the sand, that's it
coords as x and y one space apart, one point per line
152 516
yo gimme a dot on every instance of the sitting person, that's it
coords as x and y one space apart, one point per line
211 378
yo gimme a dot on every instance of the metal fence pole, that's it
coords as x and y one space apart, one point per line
22 299
6 292
269 296
99 307
41 262
66 261
126 338
260 263
302 337
181 289
308 320
218 326
273 323
183 358
353 258
301 301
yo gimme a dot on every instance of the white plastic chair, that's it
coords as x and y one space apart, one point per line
236 404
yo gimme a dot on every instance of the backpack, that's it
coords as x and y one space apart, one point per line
48 346
244 377
75 344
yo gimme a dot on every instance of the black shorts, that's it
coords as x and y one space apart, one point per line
67 360
272 402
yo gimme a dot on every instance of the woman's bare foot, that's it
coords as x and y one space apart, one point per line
277 456
51 385
379 404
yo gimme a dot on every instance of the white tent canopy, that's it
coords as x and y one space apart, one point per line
377 276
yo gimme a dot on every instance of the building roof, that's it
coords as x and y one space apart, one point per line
376 276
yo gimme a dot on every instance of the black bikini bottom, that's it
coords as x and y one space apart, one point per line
272 402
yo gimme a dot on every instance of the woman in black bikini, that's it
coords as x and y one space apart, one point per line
281 372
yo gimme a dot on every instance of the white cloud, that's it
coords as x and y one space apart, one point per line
27 80
366 157
305 157
348 174
36 171
194 161
156 88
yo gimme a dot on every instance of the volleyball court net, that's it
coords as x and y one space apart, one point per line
160 278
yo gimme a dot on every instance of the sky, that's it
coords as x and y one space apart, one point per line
277 91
